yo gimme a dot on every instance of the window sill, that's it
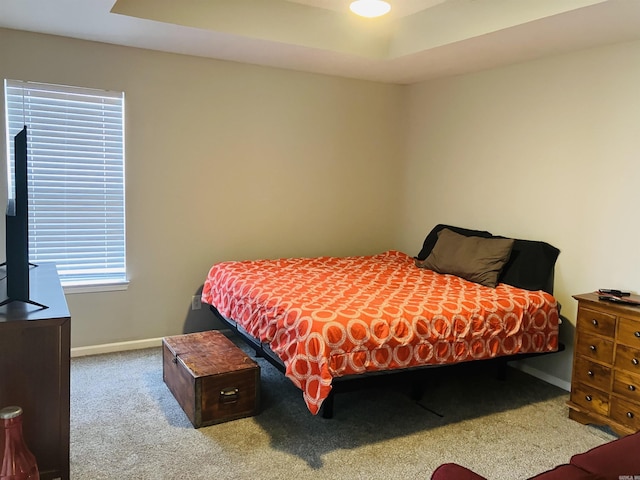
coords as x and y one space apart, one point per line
95 287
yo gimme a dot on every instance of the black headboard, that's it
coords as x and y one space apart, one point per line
531 265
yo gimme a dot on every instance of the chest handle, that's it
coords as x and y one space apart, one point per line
229 395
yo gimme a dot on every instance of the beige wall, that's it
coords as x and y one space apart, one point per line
231 161
545 150
224 161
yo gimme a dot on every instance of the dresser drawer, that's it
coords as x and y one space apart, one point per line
596 348
626 413
628 358
592 373
590 398
594 321
627 385
629 332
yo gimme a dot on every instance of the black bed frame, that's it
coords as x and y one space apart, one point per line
415 376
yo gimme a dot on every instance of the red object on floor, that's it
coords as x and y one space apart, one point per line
16 460
616 460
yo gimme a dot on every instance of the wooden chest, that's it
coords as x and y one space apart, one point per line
213 380
605 385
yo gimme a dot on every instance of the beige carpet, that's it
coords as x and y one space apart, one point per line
125 424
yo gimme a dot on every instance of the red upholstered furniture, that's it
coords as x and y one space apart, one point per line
619 459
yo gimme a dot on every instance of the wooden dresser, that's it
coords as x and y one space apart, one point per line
34 368
605 385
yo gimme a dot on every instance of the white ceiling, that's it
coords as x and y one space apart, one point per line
419 40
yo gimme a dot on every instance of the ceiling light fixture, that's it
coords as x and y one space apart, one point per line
370 8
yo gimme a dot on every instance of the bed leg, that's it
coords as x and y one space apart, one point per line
417 390
502 370
327 406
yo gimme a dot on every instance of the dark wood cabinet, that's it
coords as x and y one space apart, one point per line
34 368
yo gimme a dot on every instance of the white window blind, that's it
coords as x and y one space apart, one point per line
75 144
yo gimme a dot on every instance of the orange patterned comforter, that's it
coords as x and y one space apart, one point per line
328 317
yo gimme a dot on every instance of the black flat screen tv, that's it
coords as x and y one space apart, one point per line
17 229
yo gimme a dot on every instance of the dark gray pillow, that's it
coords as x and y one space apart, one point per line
531 266
476 259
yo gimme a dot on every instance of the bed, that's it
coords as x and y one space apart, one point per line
468 296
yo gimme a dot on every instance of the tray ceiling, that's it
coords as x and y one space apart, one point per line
419 40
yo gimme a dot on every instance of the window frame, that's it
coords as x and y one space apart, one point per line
93 158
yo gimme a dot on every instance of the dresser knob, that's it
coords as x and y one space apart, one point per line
632 388
637 334
590 373
588 398
594 322
629 414
635 361
592 347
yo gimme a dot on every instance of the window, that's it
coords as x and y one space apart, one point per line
76 178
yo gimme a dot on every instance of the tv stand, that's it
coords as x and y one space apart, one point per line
35 369
28 302
23 300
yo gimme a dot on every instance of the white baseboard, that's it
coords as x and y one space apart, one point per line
123 346
115 347
534 372
156 342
